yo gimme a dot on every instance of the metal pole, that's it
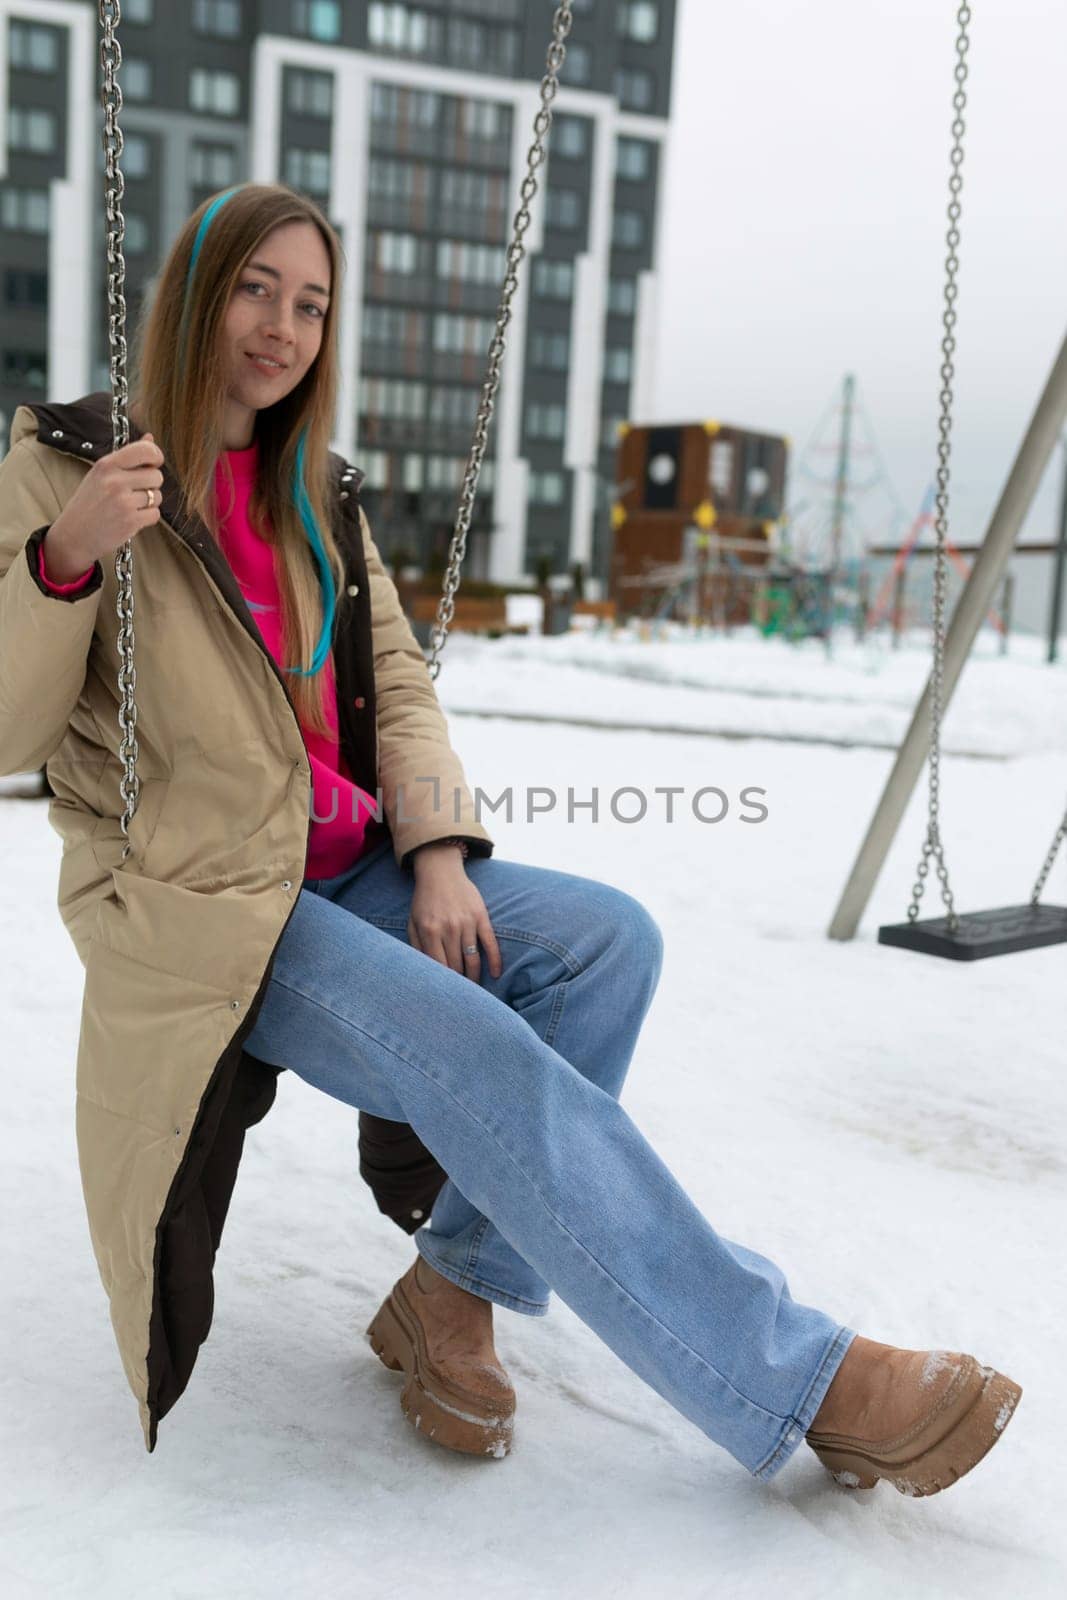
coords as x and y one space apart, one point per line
837 523
898 606
1056 610
1026 473
1006 606
863 605
840 507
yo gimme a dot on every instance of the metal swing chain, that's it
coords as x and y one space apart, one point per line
111 96
561 27
115 188
932 846
1053 850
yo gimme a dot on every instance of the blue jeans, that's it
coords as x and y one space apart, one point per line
513 1083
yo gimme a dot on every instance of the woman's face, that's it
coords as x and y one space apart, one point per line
278 309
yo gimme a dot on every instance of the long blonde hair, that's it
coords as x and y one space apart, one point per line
179 386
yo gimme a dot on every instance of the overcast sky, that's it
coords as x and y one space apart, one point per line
804 227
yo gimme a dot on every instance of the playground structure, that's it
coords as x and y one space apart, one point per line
695 512
703 535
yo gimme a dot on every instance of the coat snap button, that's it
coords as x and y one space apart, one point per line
344 494
57 433
235 1005
353 589
287 883
87 445
359 702
416 1215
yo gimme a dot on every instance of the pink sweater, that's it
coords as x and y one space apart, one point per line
349 828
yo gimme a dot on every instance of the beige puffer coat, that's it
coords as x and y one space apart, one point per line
178 941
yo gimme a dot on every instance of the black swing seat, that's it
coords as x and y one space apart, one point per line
981 933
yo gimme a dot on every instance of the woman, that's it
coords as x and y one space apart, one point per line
488 1008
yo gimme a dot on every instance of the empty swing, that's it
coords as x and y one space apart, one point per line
1008 928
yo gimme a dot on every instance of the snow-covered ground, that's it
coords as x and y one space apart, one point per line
888 1127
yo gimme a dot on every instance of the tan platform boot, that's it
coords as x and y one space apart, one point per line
920 1419
457 1393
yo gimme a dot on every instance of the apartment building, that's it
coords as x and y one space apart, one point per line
409 125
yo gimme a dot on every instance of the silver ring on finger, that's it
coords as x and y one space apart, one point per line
470 949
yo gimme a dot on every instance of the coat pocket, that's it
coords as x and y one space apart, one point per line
108 838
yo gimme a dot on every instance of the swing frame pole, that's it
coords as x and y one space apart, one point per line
1027 470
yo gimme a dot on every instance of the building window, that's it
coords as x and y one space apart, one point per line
404 29
375 465
308 170
136 240
317 19
628 230
473 263
484 119
24 369
136 156
411 107
393 325
553 280
33 49
550 350
618 364
639 19
393 398
397 180
395 252
570 137
412 474
453 407
634 88
473 191
721 467
494 10
140 11
455 335
622 297
136 78
563 208
31 129
610 432
480 48
546 489
309 94
445 472
26 289
219 18
24 210
545 421
633 159
213 166
214 91
578 67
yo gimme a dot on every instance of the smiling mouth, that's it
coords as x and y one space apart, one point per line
264 365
